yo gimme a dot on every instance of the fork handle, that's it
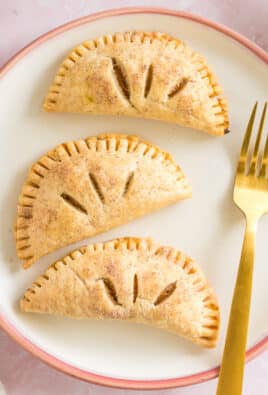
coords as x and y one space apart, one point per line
233 361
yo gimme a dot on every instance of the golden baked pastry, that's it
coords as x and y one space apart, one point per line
85 187
141 74
130 279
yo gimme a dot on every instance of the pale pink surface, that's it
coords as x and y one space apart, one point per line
21 22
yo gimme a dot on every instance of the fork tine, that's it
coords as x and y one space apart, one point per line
246 141
258 140
264 161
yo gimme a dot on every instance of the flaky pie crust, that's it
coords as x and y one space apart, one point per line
85 187
141 74
130 279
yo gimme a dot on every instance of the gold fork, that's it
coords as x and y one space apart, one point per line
251 196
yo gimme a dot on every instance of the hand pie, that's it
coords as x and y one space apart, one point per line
140 74
130 279
85 187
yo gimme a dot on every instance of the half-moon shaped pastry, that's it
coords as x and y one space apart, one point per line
130 279
140 74
85 187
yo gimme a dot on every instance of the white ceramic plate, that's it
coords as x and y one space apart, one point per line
208 227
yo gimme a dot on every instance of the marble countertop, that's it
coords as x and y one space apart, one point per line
21 22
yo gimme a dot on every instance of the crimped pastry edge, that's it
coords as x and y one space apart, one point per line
220 106
210 326
29 192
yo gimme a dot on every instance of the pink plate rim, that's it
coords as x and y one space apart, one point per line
9 327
